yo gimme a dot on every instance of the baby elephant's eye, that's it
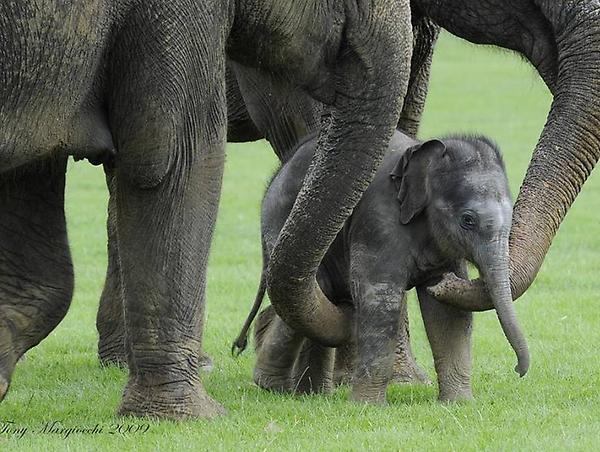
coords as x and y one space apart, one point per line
468 220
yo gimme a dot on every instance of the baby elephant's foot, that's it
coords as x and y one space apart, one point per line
308 383
369 393
272 379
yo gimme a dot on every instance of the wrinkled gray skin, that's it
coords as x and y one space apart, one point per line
259 106
147 78
430 207
559 38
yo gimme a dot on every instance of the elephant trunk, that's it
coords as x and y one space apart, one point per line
370 84
494 270
566 153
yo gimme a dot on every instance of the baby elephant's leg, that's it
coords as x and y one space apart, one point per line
449 333
345 357
313 371
378 313
277 347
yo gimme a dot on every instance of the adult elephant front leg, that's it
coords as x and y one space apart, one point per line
169 121
36 273
109 321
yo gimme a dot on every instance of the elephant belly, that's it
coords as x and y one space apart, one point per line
52 50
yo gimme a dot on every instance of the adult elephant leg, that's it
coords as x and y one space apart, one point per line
109 322
240 126
168 116
345 356
425 34
281 111
36 273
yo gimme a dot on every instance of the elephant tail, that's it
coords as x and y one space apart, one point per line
240 344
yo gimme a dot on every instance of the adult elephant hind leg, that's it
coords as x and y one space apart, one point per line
167 110
36 273
109 321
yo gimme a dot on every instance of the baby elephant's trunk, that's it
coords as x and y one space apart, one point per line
494 269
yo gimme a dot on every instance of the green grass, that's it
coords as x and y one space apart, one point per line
554 408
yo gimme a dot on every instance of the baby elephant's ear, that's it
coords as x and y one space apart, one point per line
410 177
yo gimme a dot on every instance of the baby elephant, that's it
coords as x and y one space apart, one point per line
431 207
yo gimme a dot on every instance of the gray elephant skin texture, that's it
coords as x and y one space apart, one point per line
147 78
260 105
431 207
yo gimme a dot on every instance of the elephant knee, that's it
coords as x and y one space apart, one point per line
145 158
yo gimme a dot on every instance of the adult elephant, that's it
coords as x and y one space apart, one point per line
148 78
261 106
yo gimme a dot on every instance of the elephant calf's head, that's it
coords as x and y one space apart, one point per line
460 184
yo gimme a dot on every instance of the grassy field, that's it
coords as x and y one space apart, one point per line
555 407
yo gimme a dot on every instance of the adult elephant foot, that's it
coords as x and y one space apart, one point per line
174 400
406 369
111 352
36 274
